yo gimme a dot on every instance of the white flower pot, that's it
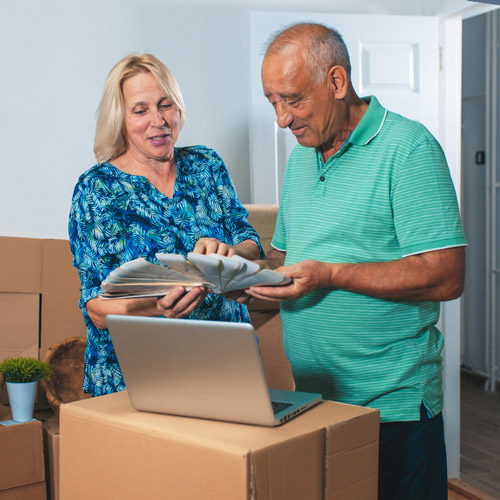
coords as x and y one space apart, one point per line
22 400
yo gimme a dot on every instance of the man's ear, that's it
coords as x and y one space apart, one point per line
337 77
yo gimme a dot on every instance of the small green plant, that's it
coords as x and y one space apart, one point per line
20 370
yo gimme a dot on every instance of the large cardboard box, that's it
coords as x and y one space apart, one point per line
109 450
22 472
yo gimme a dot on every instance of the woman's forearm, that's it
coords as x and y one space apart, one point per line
98 309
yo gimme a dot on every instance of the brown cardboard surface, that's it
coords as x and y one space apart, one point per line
20 265
276 366
154 456
263 219
356 459
61 316
19 319
51 451
21 454
29 492
19 316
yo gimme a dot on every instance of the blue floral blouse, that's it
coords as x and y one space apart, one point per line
116 217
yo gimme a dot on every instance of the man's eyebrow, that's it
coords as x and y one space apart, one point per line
292 95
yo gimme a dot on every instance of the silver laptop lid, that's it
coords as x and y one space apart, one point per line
207 369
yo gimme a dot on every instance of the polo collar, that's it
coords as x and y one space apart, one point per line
371 123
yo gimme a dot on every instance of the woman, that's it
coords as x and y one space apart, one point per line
146 196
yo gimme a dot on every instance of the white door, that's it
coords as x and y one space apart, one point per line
397 59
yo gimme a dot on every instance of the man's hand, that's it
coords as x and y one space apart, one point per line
307 276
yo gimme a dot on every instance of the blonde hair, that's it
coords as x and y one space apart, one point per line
110 140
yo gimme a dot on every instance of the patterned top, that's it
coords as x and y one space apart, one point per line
116 217
387 193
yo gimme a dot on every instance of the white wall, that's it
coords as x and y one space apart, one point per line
58 53
58 56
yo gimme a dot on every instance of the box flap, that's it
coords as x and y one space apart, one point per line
20 265
292 470
351 466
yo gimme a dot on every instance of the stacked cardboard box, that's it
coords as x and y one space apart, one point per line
39 292
22 472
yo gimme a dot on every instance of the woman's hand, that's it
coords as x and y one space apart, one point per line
247 248
179 303
213 245
176 304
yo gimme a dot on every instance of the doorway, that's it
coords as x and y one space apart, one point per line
480 334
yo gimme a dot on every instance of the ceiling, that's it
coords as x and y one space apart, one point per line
395 7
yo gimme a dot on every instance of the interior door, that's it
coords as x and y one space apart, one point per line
395 58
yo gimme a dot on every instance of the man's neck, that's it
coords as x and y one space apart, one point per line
353 112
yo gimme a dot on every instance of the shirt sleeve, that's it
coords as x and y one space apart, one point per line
426 212
96 235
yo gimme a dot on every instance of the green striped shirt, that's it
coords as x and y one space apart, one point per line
386 194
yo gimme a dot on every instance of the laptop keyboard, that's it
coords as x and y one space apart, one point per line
279 405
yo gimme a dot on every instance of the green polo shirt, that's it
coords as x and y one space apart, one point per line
386 194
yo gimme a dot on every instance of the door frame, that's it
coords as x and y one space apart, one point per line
451 140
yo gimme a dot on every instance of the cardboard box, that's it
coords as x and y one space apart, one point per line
51 449
21 460
263 218
109 450
19 317
268 328
61 316
20 265
19 330
29 492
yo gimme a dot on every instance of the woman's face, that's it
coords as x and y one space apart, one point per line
152 120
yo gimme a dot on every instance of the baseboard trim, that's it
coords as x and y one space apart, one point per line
468 491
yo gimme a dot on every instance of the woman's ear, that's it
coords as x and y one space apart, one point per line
337 77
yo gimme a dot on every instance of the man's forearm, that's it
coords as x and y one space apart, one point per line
434 276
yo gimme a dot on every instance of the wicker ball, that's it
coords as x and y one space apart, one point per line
66 359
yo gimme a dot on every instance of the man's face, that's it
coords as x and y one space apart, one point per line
305 106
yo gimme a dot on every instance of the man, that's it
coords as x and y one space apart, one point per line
370 232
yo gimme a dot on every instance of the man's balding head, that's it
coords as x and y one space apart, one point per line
324 47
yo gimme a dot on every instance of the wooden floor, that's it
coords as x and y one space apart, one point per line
480 438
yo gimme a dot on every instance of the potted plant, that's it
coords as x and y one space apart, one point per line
21 377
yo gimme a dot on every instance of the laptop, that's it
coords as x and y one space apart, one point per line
204 369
